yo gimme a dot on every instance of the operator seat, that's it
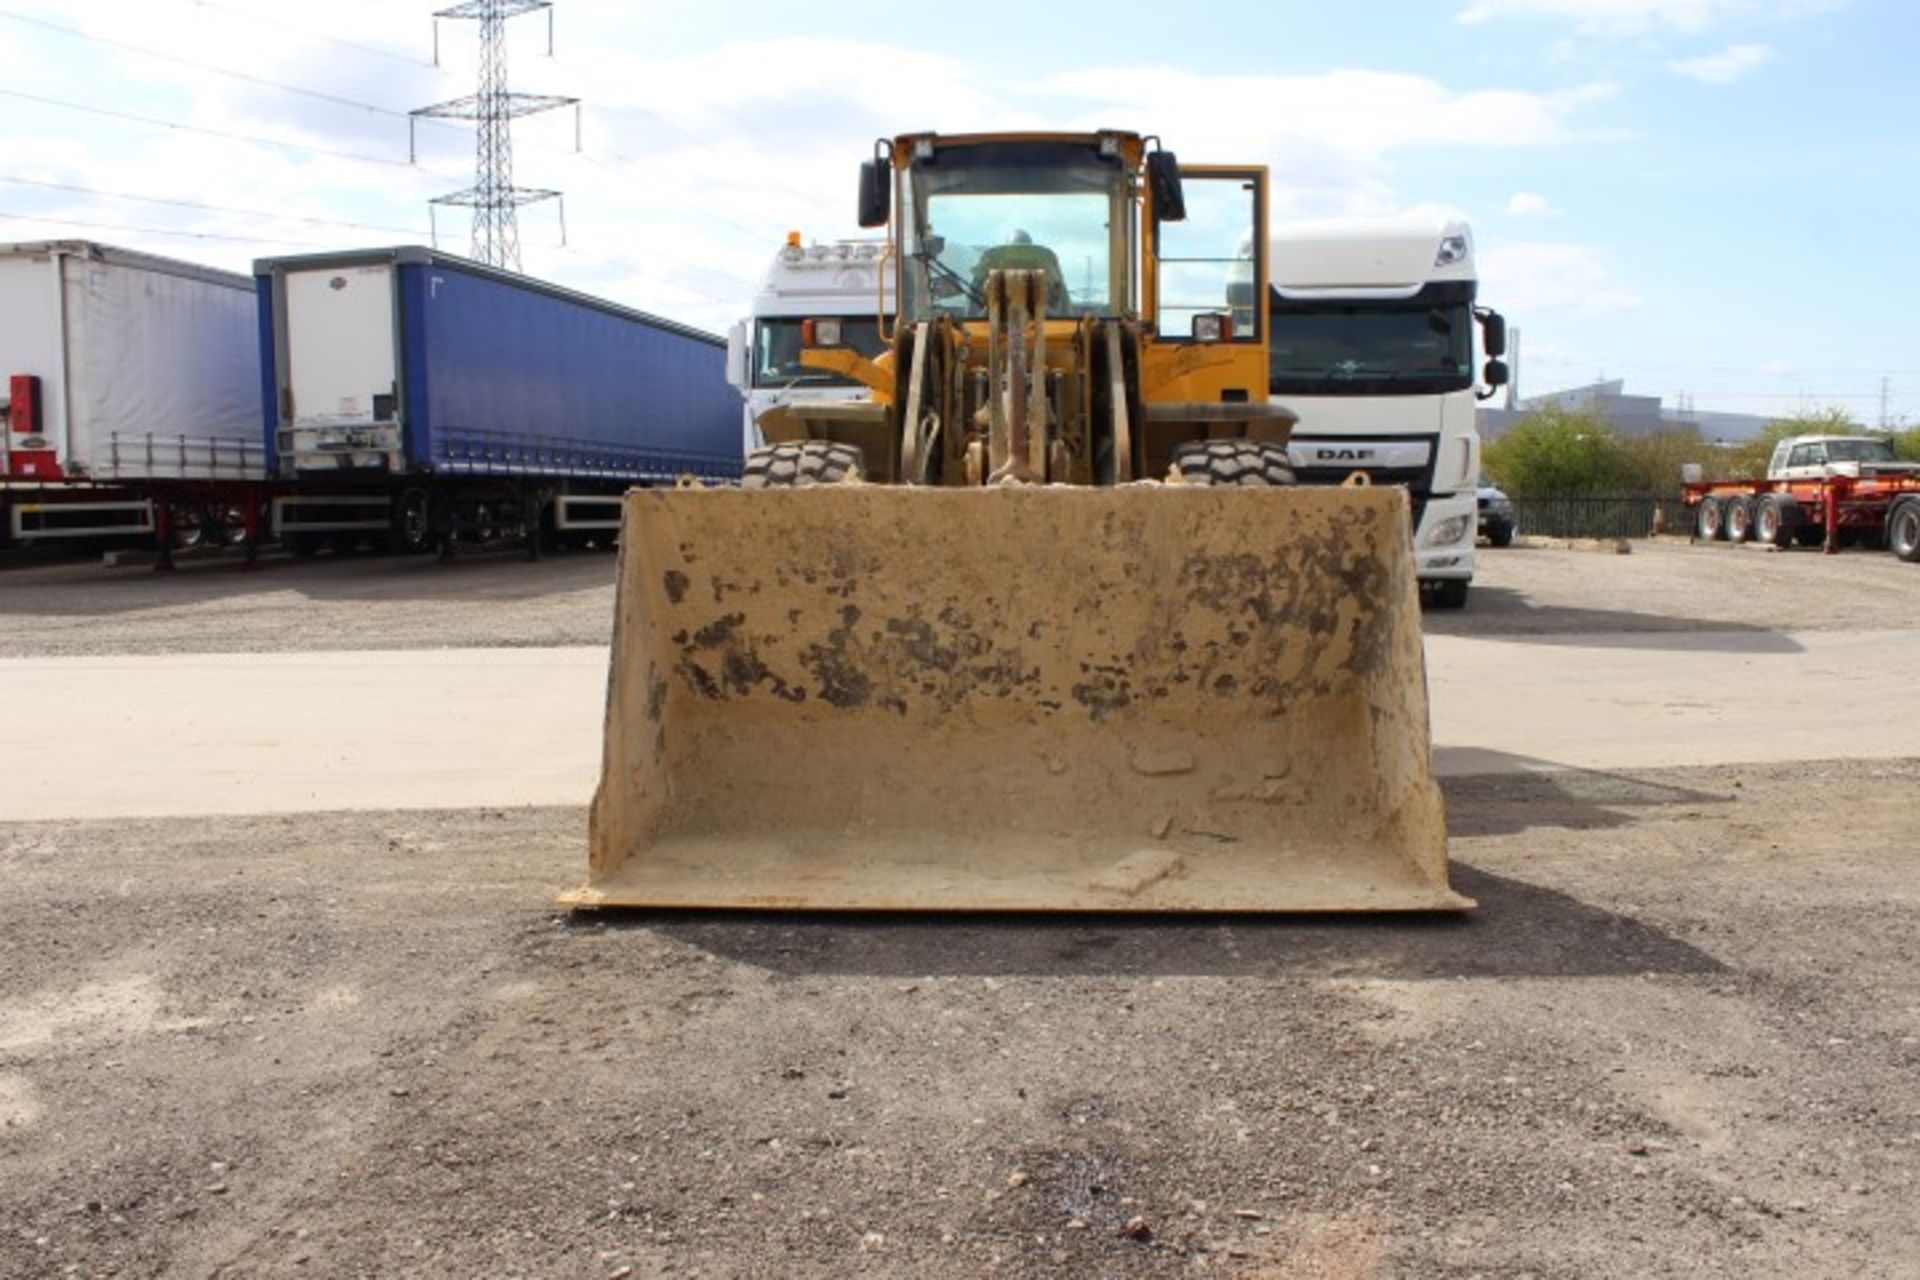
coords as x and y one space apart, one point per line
1022 254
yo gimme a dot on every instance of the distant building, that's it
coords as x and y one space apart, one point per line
1627 415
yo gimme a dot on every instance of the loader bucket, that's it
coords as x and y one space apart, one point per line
1145 698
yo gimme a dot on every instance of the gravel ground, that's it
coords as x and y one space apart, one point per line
1679 1038
498 598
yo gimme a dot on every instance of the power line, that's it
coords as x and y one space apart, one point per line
308 32
619 265
242 76
759 234
255 139
210 208
160 231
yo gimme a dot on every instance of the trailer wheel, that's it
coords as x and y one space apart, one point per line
1248 463
1903 531
189 526
802 466
412 531
1710 520
1739 519
1774 521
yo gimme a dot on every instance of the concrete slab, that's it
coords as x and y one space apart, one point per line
1656 700
180 735
299 732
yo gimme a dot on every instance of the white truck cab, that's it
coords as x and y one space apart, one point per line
840 278
1373 346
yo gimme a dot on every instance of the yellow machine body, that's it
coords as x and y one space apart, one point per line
960 646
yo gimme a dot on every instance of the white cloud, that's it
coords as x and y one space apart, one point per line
1525 204
1630 17
1530 279
1726 66
696 162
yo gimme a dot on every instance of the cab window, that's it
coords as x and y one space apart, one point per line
776 352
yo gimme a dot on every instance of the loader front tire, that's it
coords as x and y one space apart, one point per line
801 466
1249 463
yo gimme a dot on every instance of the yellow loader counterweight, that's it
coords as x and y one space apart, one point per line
1043 624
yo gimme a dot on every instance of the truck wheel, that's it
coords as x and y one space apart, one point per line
1249 463
1710 520
802 466
1499 533
1448 593
1774 521
1903 532
1739 519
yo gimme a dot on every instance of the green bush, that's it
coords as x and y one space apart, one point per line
1558 452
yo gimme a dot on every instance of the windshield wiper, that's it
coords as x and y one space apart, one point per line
973 295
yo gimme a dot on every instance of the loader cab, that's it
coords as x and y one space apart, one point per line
1118 229
1063 206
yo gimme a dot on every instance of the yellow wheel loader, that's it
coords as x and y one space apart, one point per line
1042 622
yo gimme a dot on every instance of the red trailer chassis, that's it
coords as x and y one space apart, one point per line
1874 509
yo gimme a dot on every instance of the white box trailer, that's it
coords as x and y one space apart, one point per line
129 381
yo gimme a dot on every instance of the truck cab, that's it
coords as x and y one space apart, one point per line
843 279
1373 344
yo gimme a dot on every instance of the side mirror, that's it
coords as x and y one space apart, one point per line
876 193
1494 327
1163 182
1496 374
737 355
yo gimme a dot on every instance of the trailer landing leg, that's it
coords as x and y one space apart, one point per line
163 536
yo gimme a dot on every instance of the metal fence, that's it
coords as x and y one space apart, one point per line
1624 516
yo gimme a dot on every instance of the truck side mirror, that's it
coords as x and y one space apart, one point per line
1496 374
876 193
1163 182
737 355
1494 327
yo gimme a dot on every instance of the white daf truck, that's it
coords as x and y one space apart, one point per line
846 279
1373 346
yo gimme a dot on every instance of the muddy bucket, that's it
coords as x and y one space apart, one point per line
1146 698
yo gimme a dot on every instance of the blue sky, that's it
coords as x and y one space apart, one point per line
1709 198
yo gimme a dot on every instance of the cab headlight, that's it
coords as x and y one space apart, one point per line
1447 532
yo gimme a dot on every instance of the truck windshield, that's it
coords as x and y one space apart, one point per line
1049 207
776 352
1356 349
1860 451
